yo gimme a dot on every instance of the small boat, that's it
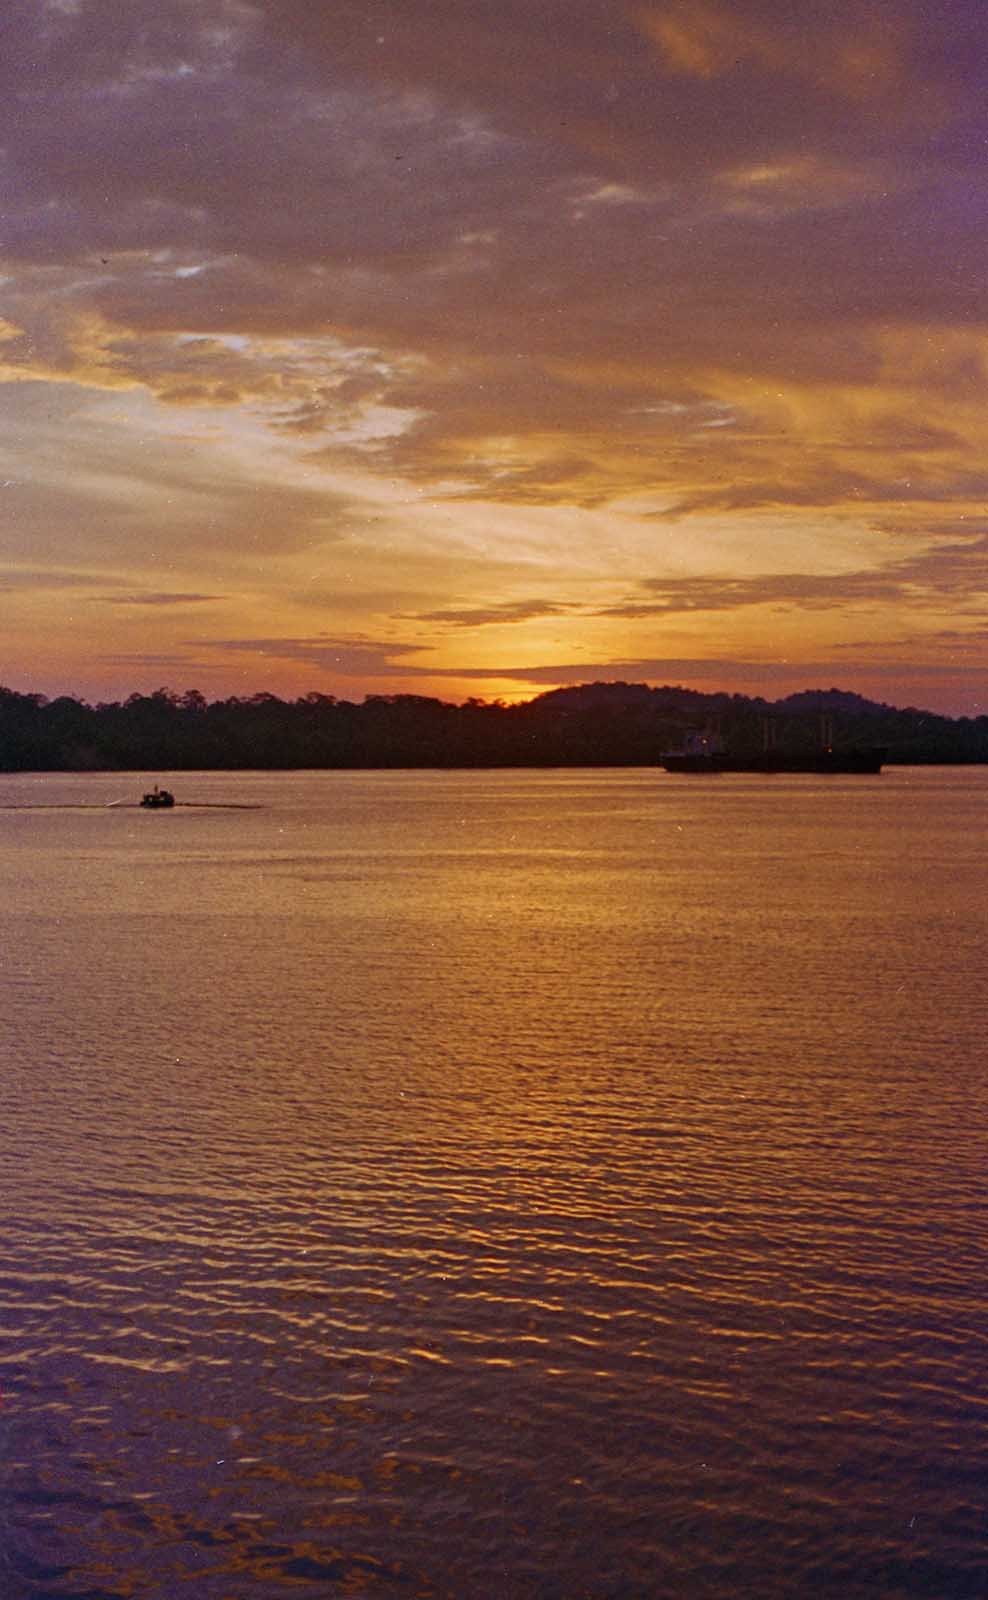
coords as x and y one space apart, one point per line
157 799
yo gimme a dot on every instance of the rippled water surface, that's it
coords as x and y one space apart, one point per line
494 1185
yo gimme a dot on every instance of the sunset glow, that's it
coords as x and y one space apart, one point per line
463 349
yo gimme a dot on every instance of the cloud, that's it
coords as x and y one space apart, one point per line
703 40
43 578
356 658
378 234
726 671
505 611
106 480
159 599
834 487
952 571
141 661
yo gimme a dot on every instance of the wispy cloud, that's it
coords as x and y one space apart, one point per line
944 571
725 671
506 611
42 578
348 658
158 599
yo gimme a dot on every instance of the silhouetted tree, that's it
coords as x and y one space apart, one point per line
611 724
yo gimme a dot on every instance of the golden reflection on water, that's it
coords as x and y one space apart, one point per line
531 1184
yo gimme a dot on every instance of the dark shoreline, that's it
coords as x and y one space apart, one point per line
592 725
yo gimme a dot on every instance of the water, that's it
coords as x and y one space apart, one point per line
494 1185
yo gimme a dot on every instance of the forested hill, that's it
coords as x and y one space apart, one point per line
597 724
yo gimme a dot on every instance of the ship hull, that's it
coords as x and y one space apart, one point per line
817 761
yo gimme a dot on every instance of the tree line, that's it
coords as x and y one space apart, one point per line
599 724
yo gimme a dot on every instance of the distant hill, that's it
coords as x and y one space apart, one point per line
582 696
839 701
591 724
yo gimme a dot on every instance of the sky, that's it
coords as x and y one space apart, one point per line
458 348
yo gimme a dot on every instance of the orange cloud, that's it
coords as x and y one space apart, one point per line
702 40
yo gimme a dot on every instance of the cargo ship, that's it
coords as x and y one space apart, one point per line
705 752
